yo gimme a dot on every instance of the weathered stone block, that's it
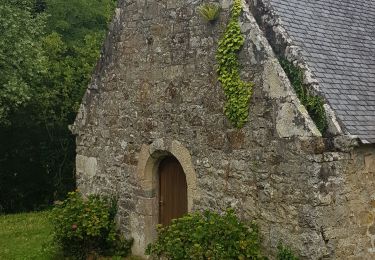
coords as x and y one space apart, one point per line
86 166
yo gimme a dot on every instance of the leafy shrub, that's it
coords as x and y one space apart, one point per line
207 235
285 253
84 226
209 11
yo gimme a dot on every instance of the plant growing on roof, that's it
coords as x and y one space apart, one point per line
209 11
237 92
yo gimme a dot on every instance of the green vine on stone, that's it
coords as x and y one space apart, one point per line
313 104
237 92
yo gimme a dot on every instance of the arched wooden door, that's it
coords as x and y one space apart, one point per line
172 191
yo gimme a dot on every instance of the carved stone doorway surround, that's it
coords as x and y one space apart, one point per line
144 219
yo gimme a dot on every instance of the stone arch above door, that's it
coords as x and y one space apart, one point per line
151 155
146 216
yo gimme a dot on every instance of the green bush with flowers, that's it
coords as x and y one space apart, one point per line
207 235
85 226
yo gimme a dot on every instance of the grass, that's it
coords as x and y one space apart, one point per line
26 236
29 236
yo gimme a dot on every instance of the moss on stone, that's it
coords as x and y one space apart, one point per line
313 103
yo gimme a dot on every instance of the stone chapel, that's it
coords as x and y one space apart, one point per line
152 130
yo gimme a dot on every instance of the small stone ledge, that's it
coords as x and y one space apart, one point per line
345 143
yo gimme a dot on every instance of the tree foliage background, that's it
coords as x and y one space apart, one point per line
48 49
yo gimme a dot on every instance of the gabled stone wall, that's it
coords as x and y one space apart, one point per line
155 93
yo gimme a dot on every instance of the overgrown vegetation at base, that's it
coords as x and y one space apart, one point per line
87 226
207 235
237 92
30 235
48 49
313 104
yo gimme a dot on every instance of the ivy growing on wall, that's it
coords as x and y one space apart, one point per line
237 92
313 104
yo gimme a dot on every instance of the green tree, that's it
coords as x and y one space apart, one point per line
22 62
75 19
76 30
46 56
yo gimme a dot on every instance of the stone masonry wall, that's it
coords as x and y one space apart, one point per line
348 193
347 209
156 82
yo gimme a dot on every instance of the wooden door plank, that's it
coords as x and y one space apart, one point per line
172 191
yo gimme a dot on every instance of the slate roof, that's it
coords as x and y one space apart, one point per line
338 42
